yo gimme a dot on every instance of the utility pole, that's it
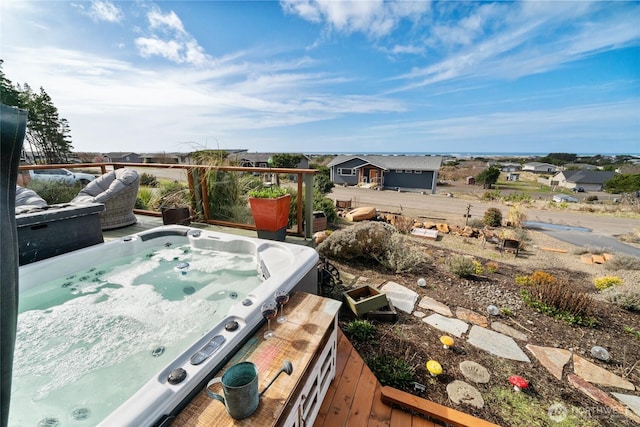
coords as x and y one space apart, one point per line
468 214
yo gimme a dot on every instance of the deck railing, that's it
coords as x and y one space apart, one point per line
197 178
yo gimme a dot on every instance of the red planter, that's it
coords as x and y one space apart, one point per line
271 216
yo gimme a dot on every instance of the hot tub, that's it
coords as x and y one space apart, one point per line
124 333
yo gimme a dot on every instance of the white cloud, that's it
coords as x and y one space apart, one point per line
168 39
375 18
167 21
496 41
105 11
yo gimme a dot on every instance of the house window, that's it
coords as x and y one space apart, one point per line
408 171
417 171
398 171
346 172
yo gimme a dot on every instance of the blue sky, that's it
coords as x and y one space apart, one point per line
334 76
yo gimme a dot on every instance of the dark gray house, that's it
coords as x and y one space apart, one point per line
127 157
588 180
409 173
260 160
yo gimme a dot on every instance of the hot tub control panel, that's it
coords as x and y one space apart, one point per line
207 350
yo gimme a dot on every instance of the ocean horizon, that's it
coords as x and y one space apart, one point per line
461 154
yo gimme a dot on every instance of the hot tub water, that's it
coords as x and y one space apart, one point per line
87 341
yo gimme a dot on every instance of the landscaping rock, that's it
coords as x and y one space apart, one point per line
633 402
472 317
597 375
430 304
508 330
600 396
419 314
496 344
553 359
451 326
402 297
474 372
461 392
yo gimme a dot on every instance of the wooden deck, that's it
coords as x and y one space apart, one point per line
356 398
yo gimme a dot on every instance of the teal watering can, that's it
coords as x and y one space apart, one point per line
240 388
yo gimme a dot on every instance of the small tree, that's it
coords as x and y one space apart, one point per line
488 177
492 217
322 180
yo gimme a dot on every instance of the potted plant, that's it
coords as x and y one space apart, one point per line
270 208
175 209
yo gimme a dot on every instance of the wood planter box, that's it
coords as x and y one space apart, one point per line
387 313
365 299
271 216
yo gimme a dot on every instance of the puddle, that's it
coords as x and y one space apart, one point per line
549 226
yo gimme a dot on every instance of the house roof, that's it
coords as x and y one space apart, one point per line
258 157
536 164
587 176
119 154
394 162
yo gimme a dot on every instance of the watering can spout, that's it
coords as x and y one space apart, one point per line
287 368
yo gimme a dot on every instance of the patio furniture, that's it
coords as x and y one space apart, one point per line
27 199
118 191
509 245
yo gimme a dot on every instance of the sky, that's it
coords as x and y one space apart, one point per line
329 76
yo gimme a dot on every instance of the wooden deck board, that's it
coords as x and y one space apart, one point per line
341 361
380 415
356 398
342 401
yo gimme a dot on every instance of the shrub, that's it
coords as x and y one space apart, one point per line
475 223
361 330
602 283
377 241
492 217
491 195
391 371
542 278
523 280
144 197
491 266
402 256
477 267
627 299
560 301
148 180
592 198
55 192
516 216
461 266
623 262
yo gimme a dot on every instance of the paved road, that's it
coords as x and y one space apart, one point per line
439 206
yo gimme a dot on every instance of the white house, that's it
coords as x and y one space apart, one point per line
538 167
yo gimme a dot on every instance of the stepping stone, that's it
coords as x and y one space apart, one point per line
451 326
551 358
474 372
597 375
363 281
401 297
633 402
430 304
508 330
600 396
347 278
496 343
461 392
419 314
472 317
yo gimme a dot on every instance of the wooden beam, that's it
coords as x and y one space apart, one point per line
392 396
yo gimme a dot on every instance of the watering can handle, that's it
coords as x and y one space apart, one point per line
212 394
